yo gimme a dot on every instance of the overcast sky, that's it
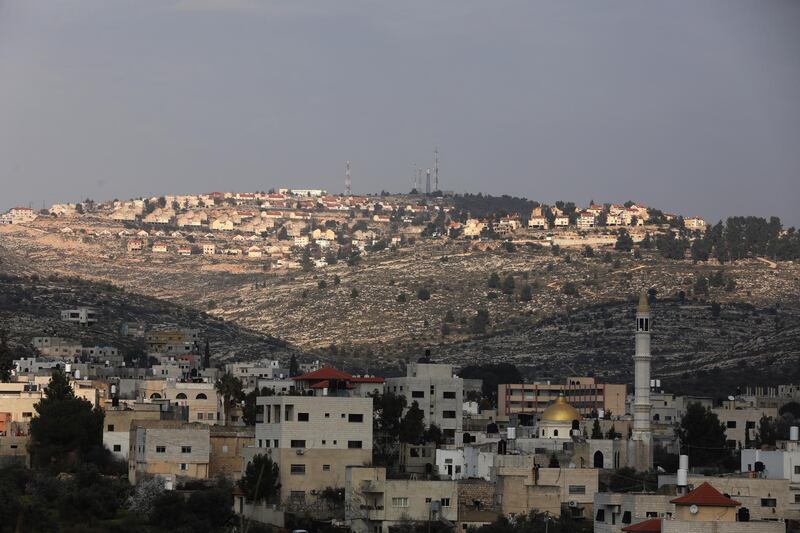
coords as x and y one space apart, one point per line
691 106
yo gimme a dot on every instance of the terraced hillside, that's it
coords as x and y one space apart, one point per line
393 304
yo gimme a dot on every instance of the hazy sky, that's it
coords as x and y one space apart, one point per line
691 106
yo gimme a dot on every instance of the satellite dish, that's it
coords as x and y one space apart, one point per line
694 509
731 398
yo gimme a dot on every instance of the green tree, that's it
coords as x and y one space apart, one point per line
624 241
207 356
702 436
412 426
767 431
480 321
230 388
612 433
401 298
261 479
65 428
423 294
508 284
294 366
494 281
597 433
250 408
6 358
526 294
570 289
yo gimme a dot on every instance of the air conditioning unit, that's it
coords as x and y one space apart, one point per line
300 451
573 503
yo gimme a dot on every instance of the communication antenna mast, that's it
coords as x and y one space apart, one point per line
436 168
348 185
415 185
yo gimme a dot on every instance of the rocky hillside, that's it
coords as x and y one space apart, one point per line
30 306
393 304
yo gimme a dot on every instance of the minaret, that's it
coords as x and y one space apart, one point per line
641 452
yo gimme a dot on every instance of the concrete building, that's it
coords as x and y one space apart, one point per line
374 504
583 393
438 392
522 486
228 444
741 421
313 440
169 449
80 315
18 399
781 463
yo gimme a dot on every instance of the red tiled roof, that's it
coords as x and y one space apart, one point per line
706 495
324 373
648 526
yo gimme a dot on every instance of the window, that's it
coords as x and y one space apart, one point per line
651 514
417 393
731 424
224 449
577 489
750 425
298 444
449 395
400 502
184 467
797 498
797 469
201 396
117 448
111 427
327 415
323 442
199 416
355 417
27 414
555 433
161 449
326 468
297 495
448 414
445 502
186 449
601 515
298 470
275 443
180 396
354 444
302 417
769 502
626 517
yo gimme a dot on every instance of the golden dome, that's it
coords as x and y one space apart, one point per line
560 411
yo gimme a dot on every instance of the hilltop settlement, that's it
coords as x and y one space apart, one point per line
157 428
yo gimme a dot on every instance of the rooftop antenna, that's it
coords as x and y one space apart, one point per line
436 168
348 185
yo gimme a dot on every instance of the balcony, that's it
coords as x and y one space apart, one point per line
371 486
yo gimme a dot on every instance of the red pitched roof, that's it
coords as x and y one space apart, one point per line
324 373
648 526
706 495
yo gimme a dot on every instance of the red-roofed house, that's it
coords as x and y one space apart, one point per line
330 381
648 526
705 503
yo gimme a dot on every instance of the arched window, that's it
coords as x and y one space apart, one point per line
656 417
155 396
555 433
180 396
598 459
201 396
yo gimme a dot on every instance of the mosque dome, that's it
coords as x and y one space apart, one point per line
560 411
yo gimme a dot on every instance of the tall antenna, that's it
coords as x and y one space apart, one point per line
436 168
348 184
416 176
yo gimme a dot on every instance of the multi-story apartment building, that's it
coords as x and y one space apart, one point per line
375 504
169 449
741 421
18 399
583 393
313 440
172 340
438 392
118 421
201 399
81 315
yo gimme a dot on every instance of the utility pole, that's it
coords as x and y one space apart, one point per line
348 185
